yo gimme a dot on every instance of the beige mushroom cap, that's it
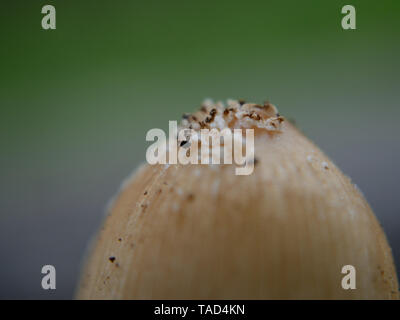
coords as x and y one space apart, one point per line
202 232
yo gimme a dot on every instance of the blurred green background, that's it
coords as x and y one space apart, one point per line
76 103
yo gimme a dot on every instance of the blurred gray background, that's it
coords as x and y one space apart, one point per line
76 103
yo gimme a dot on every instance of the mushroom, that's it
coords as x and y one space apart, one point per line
201 232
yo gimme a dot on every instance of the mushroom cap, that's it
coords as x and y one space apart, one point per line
202 232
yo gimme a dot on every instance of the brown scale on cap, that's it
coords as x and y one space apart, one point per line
237 114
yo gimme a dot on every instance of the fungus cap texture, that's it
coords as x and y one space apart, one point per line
202 232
